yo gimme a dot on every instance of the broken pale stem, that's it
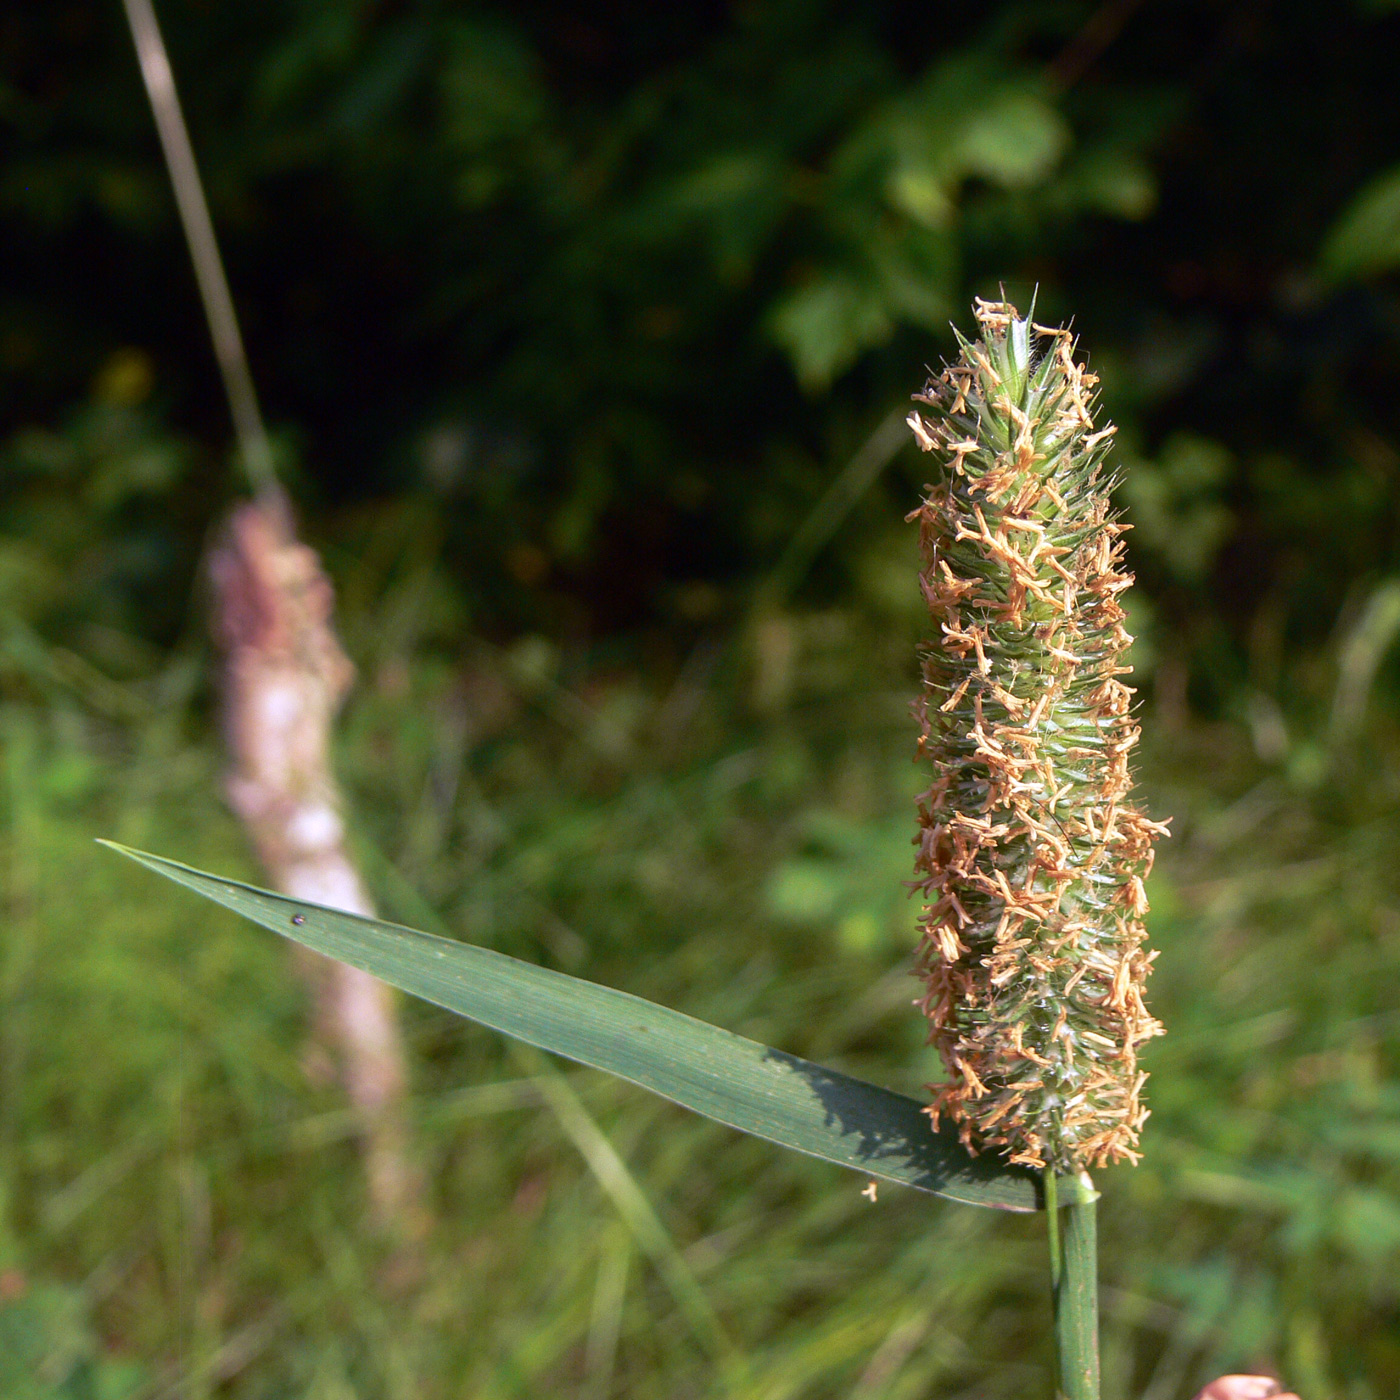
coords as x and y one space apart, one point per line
284 679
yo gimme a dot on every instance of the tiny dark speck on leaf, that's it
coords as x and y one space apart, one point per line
298 918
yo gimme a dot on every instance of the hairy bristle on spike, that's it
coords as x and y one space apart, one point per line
1031 859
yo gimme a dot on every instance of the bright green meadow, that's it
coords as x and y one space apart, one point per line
186 1209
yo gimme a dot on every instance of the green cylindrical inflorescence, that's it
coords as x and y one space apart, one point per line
1031 859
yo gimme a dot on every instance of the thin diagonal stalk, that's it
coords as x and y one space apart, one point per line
840 498
1074 1270
159 78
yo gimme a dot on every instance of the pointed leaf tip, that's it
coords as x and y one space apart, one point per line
751 1087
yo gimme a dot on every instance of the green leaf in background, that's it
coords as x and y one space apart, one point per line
826 323
748 1086
1014 141
1366 238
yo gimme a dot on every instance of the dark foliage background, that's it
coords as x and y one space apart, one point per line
579 328
614 287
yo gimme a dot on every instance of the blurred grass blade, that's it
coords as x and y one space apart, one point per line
748 1086
1363 650
648 1232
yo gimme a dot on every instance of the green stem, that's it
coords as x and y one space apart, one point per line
1074 1269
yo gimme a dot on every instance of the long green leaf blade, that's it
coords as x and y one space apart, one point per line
748 1086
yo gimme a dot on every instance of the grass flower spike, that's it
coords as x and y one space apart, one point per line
1031 859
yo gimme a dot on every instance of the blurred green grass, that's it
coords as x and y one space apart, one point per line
182 1208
